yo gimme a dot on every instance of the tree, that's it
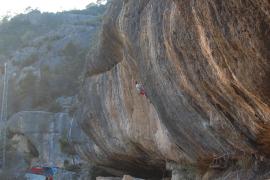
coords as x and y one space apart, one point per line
99 2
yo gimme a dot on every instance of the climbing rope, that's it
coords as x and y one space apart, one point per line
70 129
3 117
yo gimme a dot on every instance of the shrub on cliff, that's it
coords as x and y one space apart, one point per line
66 146
28 61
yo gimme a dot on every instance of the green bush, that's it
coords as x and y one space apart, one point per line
91 22
28 61
27 85
66 146
70 50
55 107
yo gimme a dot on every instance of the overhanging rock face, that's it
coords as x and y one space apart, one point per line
205 67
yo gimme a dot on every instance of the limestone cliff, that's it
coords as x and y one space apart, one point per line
46 54
44 135
205 67
43 139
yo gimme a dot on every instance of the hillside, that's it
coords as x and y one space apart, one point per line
46 54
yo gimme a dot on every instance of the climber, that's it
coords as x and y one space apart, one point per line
140 89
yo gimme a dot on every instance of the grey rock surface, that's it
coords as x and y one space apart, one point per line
44 131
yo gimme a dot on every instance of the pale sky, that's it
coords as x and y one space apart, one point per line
12 7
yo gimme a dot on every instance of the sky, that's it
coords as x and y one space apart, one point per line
12 7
